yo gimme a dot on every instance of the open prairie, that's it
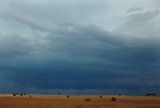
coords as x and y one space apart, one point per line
78 101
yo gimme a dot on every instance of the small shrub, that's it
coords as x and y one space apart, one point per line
113 99
21 94
87 99
67 96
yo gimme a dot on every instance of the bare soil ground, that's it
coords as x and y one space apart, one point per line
78 101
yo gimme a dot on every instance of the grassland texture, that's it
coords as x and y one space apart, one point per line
78 101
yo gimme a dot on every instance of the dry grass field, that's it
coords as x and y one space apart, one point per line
78 101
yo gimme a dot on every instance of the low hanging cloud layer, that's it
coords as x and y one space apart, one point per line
60 49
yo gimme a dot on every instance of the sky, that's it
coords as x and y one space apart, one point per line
48 45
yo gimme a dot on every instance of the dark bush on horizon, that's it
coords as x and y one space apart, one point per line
150 94
120 94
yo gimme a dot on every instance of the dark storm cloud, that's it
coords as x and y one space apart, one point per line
64 45
88 57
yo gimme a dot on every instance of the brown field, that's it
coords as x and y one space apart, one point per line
78 101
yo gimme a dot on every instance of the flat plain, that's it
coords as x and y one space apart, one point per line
78 101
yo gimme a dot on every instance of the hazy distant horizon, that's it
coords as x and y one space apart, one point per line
124 91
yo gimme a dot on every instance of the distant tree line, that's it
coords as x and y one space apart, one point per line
20 94
151 94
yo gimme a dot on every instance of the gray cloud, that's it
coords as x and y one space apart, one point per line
144 16
140 24
13 46
24 19
134 9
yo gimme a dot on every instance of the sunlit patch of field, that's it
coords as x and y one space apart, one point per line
78 101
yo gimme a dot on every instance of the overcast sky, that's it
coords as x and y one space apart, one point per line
79 44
